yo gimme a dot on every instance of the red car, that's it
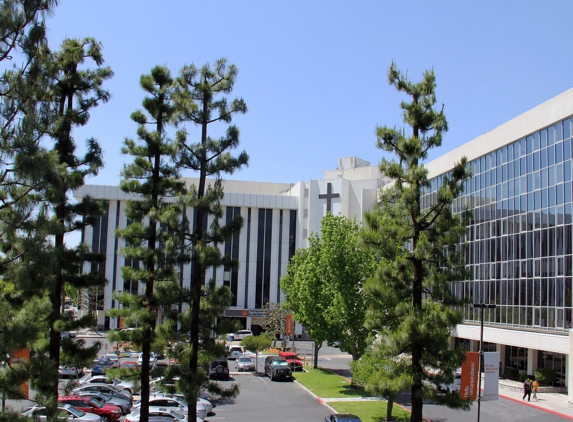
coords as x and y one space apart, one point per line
293 360
109 412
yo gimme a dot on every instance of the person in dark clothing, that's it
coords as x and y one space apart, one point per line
527 389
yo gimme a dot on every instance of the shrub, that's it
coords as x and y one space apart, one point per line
512 373
545 376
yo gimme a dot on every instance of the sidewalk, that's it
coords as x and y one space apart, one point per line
553 403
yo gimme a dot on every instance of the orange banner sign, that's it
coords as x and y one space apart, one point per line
289 329
470 374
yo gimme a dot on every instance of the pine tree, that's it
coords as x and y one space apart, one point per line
151 238
415 309
202 100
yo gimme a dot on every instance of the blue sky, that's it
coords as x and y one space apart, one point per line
313 73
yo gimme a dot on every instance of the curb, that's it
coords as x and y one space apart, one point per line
535 406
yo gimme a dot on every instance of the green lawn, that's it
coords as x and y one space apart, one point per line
326 384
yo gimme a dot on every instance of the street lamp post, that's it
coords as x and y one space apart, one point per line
481 306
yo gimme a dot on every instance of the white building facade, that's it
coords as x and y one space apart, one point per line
520 239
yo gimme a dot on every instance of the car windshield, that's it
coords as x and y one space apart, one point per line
245 360
96 402
76 412
280 363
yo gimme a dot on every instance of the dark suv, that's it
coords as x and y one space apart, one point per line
219 369
277 367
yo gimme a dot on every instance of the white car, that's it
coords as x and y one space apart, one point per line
38 413
117 383
181 398
69 371
113 358
235 352
239 335
152 359
174 403
160 412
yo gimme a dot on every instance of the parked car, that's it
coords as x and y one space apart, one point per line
235 352
152 359
109 412
100 366
123 404
455 385
105 388
117 383
342 417
276 367
239 335
200 400
244 364
130 364
174 403
70 413
69 371
160 414
219 369
293 360
113 359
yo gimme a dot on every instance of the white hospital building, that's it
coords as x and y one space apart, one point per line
520 239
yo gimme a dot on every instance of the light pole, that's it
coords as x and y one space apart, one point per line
481 306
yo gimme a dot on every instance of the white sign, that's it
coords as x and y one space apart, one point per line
491 368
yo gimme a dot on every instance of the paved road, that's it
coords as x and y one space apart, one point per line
264 400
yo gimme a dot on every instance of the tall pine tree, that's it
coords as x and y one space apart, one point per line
155 217
419 246
207 88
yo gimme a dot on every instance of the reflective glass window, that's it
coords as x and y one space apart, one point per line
566 149
559 173
492 175
510 152
537 199
566 128
536 160
558 131
559 152
567 190
522 166
550 135
544 198
552 196
543 157
529 161
551 172
567 171
543 136
551 155
539 179
529 144
536 141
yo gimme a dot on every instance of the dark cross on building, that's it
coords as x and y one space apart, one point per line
329 195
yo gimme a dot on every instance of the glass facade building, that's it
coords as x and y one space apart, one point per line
520 238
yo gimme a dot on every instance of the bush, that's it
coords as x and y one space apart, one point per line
512 373
545 376
523 377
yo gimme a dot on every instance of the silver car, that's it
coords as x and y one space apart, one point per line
244 364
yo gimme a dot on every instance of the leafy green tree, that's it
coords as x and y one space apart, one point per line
256 344
419 246
323 285
381 376
151 238
274 321
202 101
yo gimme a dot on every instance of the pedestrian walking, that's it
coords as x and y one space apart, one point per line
535 386
527 389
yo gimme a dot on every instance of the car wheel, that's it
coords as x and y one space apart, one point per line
271 376
219 369
106 418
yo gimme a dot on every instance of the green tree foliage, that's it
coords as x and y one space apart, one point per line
324 284
202 100
256 344
274 321
152 242
24 119
419 246
381 376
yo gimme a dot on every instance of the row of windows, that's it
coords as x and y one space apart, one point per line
522 292
545 267
548 318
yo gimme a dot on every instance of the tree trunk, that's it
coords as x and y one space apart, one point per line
389 407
